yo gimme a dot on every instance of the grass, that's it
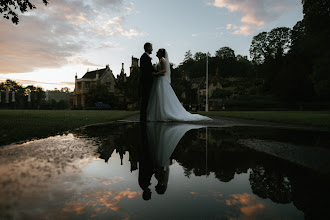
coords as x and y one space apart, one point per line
307 118
21 125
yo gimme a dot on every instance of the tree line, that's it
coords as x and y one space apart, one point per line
57 99
289 65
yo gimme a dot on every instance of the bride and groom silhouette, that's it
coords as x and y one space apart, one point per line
159 104
158 99
158 141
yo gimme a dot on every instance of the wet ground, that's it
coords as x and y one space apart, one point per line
225 169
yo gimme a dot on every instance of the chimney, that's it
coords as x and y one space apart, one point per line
122 68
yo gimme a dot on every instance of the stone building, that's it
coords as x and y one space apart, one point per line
92 77
198 84
135 63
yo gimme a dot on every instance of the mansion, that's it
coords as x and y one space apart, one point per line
92 77
104 76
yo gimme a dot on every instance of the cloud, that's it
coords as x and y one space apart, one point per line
99 202
61 33
39 83
241 30
248 204
82 61
256 13
113 27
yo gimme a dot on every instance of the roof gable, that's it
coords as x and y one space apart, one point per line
92 74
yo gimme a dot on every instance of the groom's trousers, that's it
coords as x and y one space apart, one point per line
145 93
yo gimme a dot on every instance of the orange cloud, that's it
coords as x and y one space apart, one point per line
256 13
247 203
241 30
252 11
100 201
252 209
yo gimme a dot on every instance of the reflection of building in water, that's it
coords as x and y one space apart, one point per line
114 138
107 149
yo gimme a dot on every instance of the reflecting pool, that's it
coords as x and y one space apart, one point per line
168 171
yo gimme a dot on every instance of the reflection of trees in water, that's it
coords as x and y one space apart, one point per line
278 180
270 183
310 193
223 156
283 183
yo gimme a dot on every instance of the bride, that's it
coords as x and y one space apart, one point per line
163 103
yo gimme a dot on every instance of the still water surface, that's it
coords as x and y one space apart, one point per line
162 171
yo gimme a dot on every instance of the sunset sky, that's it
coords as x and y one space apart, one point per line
53 43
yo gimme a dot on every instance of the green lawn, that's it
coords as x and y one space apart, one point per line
308 118
20 125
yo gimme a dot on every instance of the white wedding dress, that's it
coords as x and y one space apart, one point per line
163 103
164 137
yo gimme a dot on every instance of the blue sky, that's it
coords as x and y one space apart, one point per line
53 43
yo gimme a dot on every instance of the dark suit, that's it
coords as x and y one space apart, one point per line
145 163
146 81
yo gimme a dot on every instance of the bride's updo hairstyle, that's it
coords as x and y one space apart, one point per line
162 52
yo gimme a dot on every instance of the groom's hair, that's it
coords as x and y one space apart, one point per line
146 46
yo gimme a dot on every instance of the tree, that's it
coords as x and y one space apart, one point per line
316 15
298 35
37 95
259 49
280 41
321 78
8 8
244 67
317 22
225 60
187 56
270 45
225 53
99 92
199 56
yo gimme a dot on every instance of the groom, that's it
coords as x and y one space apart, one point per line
146 79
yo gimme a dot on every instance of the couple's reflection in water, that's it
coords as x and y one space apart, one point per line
215 153
158 141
